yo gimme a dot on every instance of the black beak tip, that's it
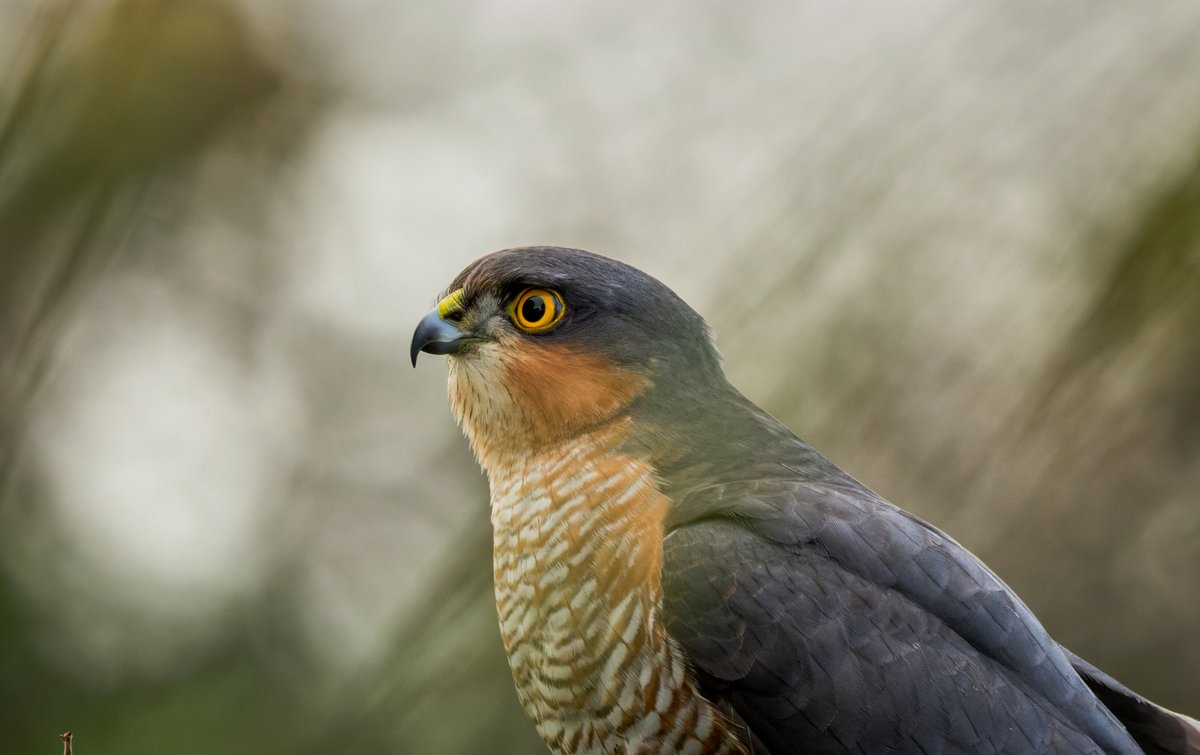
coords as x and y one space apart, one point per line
435 335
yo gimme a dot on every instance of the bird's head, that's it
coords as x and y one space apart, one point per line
546 343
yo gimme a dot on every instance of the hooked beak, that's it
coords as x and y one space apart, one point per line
436 336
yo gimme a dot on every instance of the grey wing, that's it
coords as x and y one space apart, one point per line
829 621
1158 731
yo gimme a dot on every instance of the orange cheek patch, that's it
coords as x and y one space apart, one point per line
563 391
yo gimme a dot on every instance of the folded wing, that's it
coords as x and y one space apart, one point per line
828 620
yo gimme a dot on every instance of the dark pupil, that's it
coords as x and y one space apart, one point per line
533 309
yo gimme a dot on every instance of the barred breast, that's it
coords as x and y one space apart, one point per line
577 559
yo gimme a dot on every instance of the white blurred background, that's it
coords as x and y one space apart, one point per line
957 247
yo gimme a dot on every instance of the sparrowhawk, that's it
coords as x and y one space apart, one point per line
677 572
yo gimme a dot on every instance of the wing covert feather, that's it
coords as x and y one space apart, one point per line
831 621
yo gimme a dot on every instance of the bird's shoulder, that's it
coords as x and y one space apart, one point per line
844 530
817 609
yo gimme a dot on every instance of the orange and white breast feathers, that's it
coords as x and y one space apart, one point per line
577 559
577 554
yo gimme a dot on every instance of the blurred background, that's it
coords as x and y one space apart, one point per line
233 519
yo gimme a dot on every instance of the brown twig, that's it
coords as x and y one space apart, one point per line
66 738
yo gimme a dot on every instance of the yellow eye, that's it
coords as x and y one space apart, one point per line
537 309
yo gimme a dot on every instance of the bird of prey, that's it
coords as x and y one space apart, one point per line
677 572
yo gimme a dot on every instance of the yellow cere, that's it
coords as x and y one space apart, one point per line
452 304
